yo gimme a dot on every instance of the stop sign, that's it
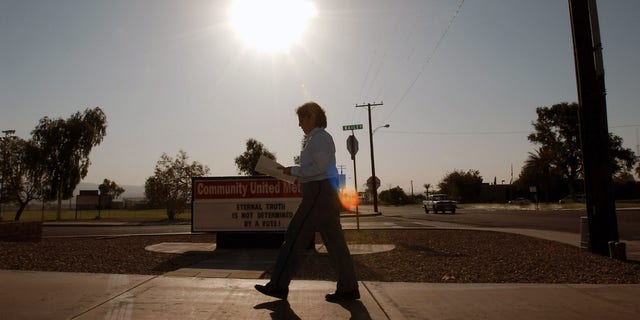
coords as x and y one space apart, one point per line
370 184
352 145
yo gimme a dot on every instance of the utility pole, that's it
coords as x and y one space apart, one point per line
637 144
594 133
411 188
373 165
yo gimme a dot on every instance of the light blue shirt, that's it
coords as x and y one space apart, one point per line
317 158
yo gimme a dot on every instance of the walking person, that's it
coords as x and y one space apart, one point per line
318 211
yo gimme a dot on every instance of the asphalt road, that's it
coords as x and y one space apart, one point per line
554 220
406 216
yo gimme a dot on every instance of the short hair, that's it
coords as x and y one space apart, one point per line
312 108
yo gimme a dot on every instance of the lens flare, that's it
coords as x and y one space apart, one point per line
349 198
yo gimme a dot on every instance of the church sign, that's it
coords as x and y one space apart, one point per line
257 203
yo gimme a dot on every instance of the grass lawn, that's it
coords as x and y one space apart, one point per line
160 214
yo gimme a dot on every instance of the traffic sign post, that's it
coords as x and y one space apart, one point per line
352 146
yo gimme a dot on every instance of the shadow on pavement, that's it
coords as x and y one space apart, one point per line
280 309
357 309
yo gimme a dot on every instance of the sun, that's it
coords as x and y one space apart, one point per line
271 25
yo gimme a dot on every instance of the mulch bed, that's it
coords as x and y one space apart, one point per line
461 256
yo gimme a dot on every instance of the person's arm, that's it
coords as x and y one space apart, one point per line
319 151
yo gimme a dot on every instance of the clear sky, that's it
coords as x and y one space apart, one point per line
460 85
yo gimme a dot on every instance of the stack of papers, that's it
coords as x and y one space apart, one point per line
270 167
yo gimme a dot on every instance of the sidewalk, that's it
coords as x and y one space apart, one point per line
47 295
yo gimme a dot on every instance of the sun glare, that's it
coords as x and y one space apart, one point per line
271 24
349 198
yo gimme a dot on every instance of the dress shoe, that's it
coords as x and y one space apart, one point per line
342 296
273 291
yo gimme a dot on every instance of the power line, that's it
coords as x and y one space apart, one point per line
408 40
382 60
380 49
465 133
453 133
365 80
626 126
404 95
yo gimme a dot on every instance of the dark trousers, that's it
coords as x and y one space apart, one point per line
318 211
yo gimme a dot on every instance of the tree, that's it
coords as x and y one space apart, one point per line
556 130
463 186
539 172
110 188
371 186
247 161
427 186
22 174
622 159
65 146
394 196
557 133
625 187
170 185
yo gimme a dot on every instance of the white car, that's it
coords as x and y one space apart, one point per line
439 202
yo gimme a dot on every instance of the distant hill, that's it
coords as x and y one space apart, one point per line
130 191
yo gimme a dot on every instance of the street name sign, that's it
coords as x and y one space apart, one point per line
352 127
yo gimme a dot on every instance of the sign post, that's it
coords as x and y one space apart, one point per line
352 147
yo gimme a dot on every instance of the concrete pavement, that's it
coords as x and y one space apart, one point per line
51 295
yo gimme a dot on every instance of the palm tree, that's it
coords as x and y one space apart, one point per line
539 165
427 186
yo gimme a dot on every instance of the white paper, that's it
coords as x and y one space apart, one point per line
270 167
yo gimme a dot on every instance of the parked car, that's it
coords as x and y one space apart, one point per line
520 201
569 199
439 202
